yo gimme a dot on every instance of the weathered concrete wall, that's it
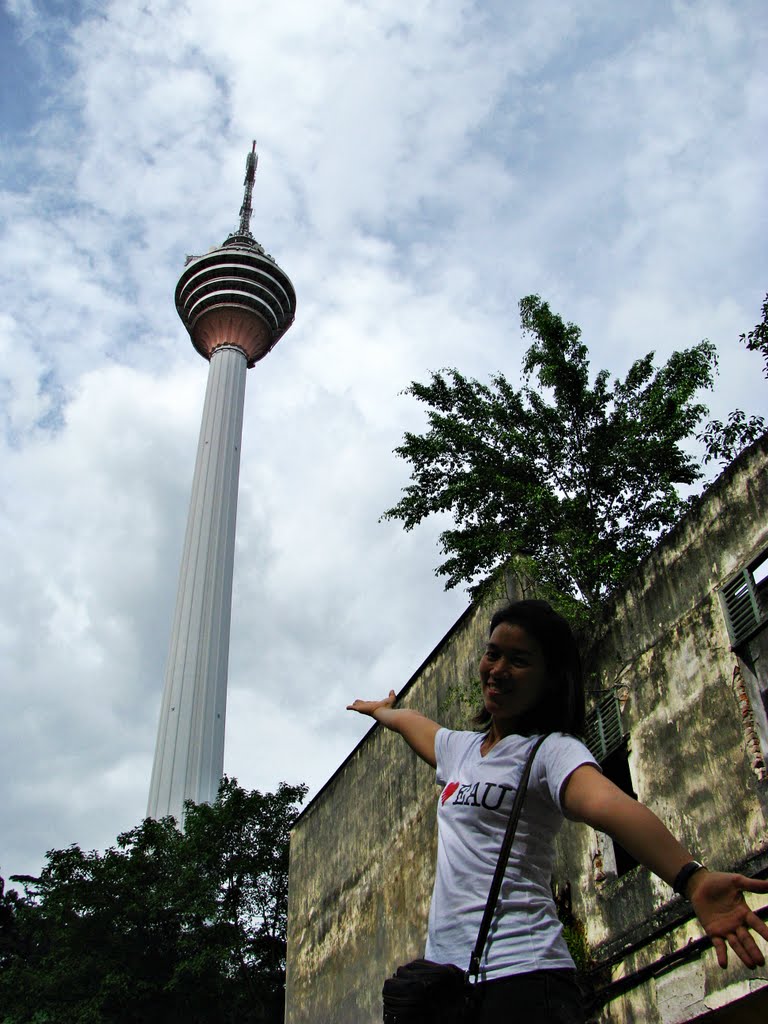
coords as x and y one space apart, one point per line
362 853
665 647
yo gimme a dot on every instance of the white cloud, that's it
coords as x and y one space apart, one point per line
422 166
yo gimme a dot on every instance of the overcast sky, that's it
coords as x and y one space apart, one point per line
423 165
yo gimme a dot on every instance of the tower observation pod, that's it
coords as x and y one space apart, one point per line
236 303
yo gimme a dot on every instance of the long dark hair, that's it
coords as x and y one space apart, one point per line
561 708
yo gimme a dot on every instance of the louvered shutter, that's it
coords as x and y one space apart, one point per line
604 732
741 606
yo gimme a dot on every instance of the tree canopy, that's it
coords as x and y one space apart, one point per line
756 340
724 440
167 926
580 473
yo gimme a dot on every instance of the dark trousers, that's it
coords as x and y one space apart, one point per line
543 997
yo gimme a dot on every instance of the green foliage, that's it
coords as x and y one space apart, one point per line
576 940
757 339
574 932
724 441
580 474
165 927
462 702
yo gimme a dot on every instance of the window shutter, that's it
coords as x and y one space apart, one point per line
604 732
741 607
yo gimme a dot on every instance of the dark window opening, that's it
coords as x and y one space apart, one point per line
616 768
753 659
608 742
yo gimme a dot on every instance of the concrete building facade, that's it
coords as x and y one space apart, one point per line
678 690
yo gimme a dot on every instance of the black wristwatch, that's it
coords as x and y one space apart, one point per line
684 875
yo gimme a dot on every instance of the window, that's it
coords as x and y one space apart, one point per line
616 768
604 733
744 600
608 743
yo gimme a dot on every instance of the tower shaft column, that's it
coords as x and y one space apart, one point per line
189 757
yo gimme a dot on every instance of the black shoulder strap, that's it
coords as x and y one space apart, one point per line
501 864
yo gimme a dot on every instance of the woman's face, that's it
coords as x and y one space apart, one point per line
513 672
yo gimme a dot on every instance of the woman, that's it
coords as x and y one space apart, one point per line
531 684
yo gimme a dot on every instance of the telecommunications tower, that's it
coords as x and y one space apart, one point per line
236 304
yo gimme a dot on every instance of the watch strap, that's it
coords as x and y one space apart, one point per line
684 874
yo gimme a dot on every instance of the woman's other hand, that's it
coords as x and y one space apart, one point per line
367 707
722 910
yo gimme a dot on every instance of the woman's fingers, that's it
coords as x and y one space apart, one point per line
752 884
367 707
363 706
745 948
721 950
757 925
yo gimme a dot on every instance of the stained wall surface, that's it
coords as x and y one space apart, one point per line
362 853
692 751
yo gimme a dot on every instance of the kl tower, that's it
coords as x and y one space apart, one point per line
236 304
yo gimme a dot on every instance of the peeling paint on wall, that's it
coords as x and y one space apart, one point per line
752 740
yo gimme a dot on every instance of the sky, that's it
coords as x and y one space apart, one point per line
423 164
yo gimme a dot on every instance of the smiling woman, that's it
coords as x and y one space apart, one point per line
532 692
530 674
513 674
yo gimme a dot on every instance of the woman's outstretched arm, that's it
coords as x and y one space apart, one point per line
716 896
417 731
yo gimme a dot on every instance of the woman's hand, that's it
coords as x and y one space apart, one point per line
417 731
722 910
367 707
716 896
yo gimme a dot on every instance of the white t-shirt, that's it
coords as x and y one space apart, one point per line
472 814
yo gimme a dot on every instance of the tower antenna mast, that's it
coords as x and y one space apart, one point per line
246 209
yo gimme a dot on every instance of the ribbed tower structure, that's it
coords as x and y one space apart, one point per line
236 303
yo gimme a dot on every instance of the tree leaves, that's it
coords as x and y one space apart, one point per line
164 927
581 475
723 441
757 339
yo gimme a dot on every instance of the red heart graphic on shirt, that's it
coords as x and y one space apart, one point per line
449 790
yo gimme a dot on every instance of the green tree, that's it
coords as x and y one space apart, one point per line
166 926
757 339
581 474
723 441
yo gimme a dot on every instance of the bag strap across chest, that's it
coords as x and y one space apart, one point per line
501 864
